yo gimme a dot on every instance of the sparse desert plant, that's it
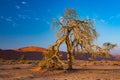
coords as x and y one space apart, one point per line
1 60
15 68
28 62
116 64
109 46
51 61
22 58
9 61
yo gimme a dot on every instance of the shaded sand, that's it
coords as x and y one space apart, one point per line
88 71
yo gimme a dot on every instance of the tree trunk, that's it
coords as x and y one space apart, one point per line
69 56
69 59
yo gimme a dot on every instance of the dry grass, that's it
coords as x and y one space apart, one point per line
83 70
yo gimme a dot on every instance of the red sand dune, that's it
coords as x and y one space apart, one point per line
36 53
31 49
30 53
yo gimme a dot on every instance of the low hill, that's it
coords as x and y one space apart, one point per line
117 57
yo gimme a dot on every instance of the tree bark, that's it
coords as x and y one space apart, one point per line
69 56
69 59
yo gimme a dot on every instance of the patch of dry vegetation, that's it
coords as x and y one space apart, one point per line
83 70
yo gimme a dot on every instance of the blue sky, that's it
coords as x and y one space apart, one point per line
27 22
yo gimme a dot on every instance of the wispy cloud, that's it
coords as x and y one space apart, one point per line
9 19
94 20
99 20
17 7
111 17
14 24
24 2
114 17
37 19
102 20
22 16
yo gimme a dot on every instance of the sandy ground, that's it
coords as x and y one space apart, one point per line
83 70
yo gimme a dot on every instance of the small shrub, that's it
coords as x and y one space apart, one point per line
22 58
29 62
116 64
9 61
15 68
51 61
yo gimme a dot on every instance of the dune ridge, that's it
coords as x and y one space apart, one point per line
37 53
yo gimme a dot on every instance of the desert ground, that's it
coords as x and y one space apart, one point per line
83 70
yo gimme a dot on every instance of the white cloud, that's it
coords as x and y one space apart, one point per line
22 16
23 2
99 21
27 17
114 17
17 7
9 19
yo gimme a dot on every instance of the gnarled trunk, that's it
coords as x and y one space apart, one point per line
69 59
69 55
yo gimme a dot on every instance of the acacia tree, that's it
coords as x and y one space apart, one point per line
104 50
109 46
78 36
